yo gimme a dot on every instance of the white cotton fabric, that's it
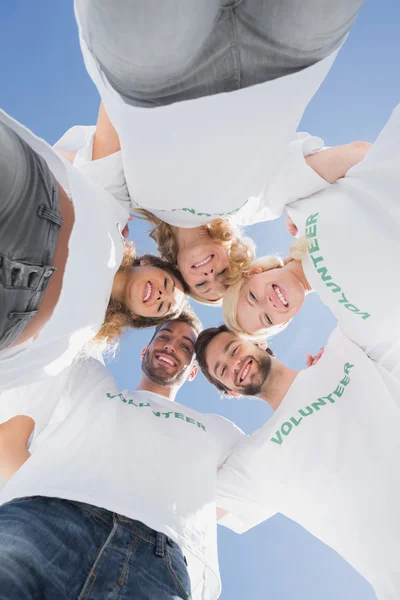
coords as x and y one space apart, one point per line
106 172
331 465
134 453
294 175
353 232
95 253
193 161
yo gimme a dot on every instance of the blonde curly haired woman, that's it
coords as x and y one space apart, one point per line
209 257
347 252
209 251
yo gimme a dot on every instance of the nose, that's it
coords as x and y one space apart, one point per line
169 347
209 273
160 294
234 364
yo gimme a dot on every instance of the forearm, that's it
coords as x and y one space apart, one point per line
106 140
14 436
333 163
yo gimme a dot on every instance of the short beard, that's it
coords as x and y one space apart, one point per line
264 363
160 376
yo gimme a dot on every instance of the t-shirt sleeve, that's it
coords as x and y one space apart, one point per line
36 400
242 487
293 181
107 172
40 400
378 174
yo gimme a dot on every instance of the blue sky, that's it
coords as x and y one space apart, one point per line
45 86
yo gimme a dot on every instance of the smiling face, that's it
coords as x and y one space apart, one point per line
203 265
240 366
169 356
269 298
152 292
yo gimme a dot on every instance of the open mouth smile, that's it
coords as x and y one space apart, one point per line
203 262
148 291
280 295
245 371
167 359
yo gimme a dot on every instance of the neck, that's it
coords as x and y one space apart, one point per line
145 384
277 384
119 285
296 267
185 237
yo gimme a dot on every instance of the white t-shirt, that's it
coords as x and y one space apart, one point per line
107 171
293 175
95 253
353 230
143 445
329 459
193 161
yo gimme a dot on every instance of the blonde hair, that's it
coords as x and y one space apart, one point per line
240 249
232 294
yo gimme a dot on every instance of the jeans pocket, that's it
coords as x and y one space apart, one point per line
176 563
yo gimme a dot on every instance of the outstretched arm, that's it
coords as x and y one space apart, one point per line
14 436
106 140
333 163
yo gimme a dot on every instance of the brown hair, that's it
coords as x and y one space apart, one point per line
241 251
187 316
118 317
202 343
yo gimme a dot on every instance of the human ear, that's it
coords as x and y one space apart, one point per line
251 272
143 352
262 344
193 373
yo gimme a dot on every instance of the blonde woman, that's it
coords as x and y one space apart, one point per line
208 255
348 255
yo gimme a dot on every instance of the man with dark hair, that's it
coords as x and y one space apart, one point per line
327 458
206 337
121 490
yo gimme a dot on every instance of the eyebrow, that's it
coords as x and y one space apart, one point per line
165 329
185 337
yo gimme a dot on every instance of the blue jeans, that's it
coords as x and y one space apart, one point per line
155 53
52 549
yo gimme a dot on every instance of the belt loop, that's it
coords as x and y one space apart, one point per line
51 215
160 544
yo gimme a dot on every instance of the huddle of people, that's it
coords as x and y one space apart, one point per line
92 507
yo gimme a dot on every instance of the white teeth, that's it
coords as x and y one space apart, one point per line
167 360
148 291
203 262
245 372
280 295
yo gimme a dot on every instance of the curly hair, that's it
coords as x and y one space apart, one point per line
240 249
118 317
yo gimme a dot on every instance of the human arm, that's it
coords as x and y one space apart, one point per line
14 437
106 140
333 163
94 151
240 498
